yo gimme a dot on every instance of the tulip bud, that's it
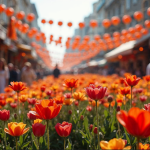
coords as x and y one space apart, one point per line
15 116
90 127
95 130
70 112
43 88
118 108
49 93
76 103
110 98
82 118
38 129
4 115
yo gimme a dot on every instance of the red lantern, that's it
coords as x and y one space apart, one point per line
116 35
60 23
2 8
43 21
124 32
18 24
123 39
129 37
30 34
20 15
77 38
24 28
30 17
138 15
138 27
131 30
81 25
115 20
50 22
86 38
106 36
69 24
126 19
106 23
144 31
93 23
34 30
148 11
138 35
97 37
9 11
147 24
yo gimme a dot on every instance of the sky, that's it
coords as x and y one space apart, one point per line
61 10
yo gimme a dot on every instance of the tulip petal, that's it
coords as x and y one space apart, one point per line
104 145
25 130
8 132
122 117
17 131
127 148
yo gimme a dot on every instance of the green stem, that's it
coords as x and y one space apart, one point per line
71 92
64 143
125 102
131 98
18 104
48 135
119 130
16 143
5 135
38 143
138 140
97 127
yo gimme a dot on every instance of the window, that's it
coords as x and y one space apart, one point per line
145 9
134 1
127 4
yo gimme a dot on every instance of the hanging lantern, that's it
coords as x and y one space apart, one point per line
93 24
50 22
34 30
20 15
138 15
30 34
138 27
138 35
116 35
86 38
129 37
147 24
126 19
60 23
30 17
115 20
43 21
24 28
148 11
124 32
81 25
97 37
38 37
106 23
2 8
77 38
144 31
18 24
131 30
69 24
106 36
9 11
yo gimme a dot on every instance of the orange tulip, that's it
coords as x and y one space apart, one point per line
17 86
147 78
136 122
47 109
23 98
59 100
16 129
132 80
79 96
144 147
71 83
125 90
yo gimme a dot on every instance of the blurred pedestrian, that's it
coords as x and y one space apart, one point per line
148 69
18 73
4 75
28 74
12 73
56 72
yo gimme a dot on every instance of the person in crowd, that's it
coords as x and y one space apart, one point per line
4 75
148 69
56 72
18 73
12 72
28 74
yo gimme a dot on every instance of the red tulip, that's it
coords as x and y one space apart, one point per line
4 115
32 101
132 80
96 93
63 129
43 88
38 129
95 130
68 95
88 108
31 115
147 107
91 127
143 98
13 105
17 86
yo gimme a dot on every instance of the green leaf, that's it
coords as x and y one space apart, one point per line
21 140
82 113
25 145
34 146
127 137
69 145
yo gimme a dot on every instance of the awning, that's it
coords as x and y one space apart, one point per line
92 63
123 49
102 62
24 47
